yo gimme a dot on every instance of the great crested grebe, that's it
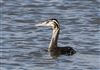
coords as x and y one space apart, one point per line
53 48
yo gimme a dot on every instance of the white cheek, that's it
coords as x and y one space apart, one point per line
51 24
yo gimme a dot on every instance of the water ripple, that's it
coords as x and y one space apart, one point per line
24 46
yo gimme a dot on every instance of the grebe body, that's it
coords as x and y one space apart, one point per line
53 47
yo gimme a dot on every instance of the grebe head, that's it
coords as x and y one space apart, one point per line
51 22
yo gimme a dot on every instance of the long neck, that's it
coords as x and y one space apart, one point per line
53 42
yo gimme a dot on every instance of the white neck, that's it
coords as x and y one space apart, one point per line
53 42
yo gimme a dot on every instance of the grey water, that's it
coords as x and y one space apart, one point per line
23 46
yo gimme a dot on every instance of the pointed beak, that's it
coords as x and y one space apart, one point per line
40 24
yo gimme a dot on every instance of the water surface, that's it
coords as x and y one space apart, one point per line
23 45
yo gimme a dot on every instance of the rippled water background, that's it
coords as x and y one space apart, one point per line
22 45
